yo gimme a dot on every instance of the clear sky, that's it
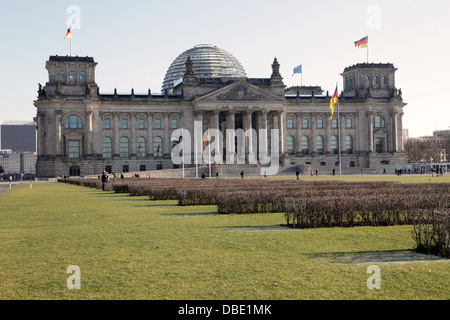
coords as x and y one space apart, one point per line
134 42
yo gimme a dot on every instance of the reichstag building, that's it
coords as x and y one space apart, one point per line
83 131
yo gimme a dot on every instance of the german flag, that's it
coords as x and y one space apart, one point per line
363 43
68 34
333 101
206 139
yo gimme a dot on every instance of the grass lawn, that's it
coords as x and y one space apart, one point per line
132 248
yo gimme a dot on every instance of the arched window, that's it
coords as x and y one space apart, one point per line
368 80
290 145
157 147
334 144
319 145
349 144
305 145
72 76
82 76
383 81
107 147
141 152
62 76
378 122
124 147
73 122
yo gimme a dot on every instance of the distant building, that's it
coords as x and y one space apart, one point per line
18 136
82 131
17 162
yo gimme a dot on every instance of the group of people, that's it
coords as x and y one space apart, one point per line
439 171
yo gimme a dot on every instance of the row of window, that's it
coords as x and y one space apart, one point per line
75 122
74 146
141 123
72 76
124 147
320 145
378 122
350 82
320 124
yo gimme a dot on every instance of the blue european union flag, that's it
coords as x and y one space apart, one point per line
298 69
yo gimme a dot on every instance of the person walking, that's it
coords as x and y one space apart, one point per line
297 173
242 174
104 180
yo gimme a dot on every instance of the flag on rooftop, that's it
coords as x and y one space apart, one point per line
68 34
297 69
362 43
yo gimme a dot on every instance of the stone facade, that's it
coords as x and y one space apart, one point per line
81 131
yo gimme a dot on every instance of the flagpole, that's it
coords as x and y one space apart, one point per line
367 50
182 141
196 158
339 132
209 157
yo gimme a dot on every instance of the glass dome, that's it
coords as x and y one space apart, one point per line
208 61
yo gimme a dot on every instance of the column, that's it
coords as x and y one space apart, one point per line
88 147
166 142
298 145
133 137
313 141
149 139
215 125
198 141
249 150
264 126
115 145
343 126
281 130
41 133
58 141
370 133
230 136
395 144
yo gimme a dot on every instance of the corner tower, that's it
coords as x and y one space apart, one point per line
370 81
73 76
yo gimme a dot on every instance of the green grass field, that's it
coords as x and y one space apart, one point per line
132 248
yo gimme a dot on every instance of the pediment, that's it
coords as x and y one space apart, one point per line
241 91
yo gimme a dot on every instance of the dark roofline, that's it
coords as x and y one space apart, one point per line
71 59
370 66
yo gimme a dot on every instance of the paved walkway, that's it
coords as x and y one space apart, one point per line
4 186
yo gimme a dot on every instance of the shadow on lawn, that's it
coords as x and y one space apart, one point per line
182 215
279 227
389 256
